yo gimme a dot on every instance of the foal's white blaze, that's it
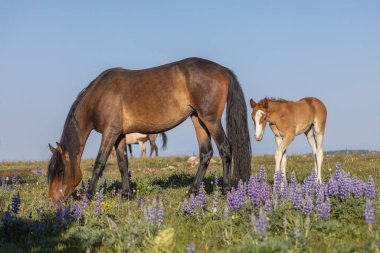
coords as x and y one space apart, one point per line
259 126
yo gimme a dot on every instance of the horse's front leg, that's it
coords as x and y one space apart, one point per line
108 141
280 154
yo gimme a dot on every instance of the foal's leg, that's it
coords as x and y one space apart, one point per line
108 141
280 152
205 152
153 147
319 155
122 160
283 162
313 145
142 149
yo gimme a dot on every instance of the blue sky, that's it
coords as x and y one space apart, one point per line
50 50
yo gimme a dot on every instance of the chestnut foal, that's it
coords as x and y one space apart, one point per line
288 119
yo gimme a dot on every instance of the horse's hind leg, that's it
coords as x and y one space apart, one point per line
108 141
153 147
205 152
319 154
142 149
313 144
216 130
122 160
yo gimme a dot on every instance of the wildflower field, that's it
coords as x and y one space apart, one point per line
266 214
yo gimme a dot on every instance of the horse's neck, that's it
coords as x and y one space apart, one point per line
274 110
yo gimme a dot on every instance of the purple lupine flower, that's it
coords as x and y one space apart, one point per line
261 224
190 248
225 212
307 188
369 213
66 213
253 191
278 179
157 198
14 178
7 215
356 187
338 167
140 202
369 191
308 206
59 211
16 201
11 187
77 214
262 174
264 191
84 201
241 190
293 180
186 207
3 184
267 205
201 198
333 187
274 200
344 183
234 199
285 191
41 227
192 202
325 210
313 176
297 198
297 230
98 203
160 213
215 203
152 212
39 171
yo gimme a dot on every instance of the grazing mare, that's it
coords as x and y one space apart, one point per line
137 138
288 119
154 100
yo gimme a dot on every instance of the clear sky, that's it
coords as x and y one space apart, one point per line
51 50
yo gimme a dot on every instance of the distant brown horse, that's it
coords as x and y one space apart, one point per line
121 101
137 138
288 119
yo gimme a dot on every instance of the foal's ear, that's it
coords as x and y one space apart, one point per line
60 148
252 103
52 149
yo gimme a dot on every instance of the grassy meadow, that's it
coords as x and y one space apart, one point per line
156 221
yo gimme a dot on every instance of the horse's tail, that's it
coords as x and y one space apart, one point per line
164 140
237 130
130 148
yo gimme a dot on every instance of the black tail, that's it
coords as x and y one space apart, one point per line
130 148
164 140
237 130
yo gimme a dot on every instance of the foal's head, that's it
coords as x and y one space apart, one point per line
59 180
259 117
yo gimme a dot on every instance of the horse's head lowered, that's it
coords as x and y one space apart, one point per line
259 117
60 182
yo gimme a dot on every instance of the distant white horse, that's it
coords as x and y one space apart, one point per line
138 138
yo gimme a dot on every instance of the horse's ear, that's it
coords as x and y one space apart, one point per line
52 149
252 103
60 148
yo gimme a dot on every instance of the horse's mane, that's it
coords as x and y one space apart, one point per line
273 99
69 138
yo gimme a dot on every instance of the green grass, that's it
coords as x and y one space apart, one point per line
170 178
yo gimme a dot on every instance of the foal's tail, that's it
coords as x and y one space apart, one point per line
237 130
164 140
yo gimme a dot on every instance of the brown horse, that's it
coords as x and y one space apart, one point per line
121 101
288 119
